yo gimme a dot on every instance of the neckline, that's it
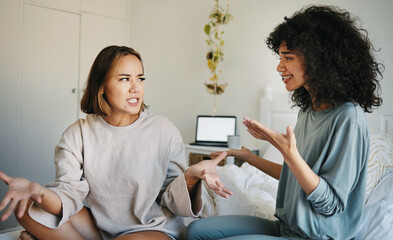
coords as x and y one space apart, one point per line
135 123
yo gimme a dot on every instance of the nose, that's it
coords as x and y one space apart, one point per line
135 87
280 67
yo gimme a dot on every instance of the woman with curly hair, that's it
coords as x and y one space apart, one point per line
326 60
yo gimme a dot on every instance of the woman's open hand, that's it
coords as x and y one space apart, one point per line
285 143
206 170
20 190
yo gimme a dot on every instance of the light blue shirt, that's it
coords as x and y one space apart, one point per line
335 144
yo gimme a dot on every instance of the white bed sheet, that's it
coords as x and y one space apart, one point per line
254 193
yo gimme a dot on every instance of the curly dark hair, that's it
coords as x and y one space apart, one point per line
337 55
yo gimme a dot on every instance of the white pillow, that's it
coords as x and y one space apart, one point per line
380 158
377 219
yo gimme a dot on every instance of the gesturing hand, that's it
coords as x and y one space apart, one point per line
206 170
285 143
19 192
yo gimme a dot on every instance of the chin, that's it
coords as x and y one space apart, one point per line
289 89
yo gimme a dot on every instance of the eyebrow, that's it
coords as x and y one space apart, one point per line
287 52
128 75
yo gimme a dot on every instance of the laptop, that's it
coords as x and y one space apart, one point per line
214 130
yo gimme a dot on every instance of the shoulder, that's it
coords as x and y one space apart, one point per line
154 119
160 127
82 123
350 116
351 113
349 109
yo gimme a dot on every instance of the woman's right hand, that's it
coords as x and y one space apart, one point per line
20 190
242 154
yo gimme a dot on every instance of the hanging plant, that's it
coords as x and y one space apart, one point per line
217 19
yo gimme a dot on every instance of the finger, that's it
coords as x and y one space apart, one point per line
290 134
263 131
256 128
212 185
202 174
37 198
244 148
6 179
22 208
289 130
7 214
24 235
231 152
5 201
247 124
222 194
220 157
246 119
215 154
255 134
259 126
227 191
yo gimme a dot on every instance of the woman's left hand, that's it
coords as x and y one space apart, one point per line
206 170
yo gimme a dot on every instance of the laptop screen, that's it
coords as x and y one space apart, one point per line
215 128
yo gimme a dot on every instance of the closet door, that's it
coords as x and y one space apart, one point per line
49 78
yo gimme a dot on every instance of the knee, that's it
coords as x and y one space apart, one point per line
199 229
192 230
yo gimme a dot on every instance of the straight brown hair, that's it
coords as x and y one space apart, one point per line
101 71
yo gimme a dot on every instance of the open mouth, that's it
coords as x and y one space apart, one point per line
283 78
132 100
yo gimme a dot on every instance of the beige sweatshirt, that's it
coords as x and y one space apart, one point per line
129 176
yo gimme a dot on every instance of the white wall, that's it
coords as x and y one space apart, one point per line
47 48
169 35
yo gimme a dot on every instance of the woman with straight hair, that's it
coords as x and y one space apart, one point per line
126 164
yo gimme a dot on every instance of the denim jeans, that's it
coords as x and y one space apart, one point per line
233 227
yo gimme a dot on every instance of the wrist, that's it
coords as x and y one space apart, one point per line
190 180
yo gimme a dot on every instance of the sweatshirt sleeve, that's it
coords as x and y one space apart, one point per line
69 183
339 176
175 195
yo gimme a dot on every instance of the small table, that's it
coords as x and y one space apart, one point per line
195 154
